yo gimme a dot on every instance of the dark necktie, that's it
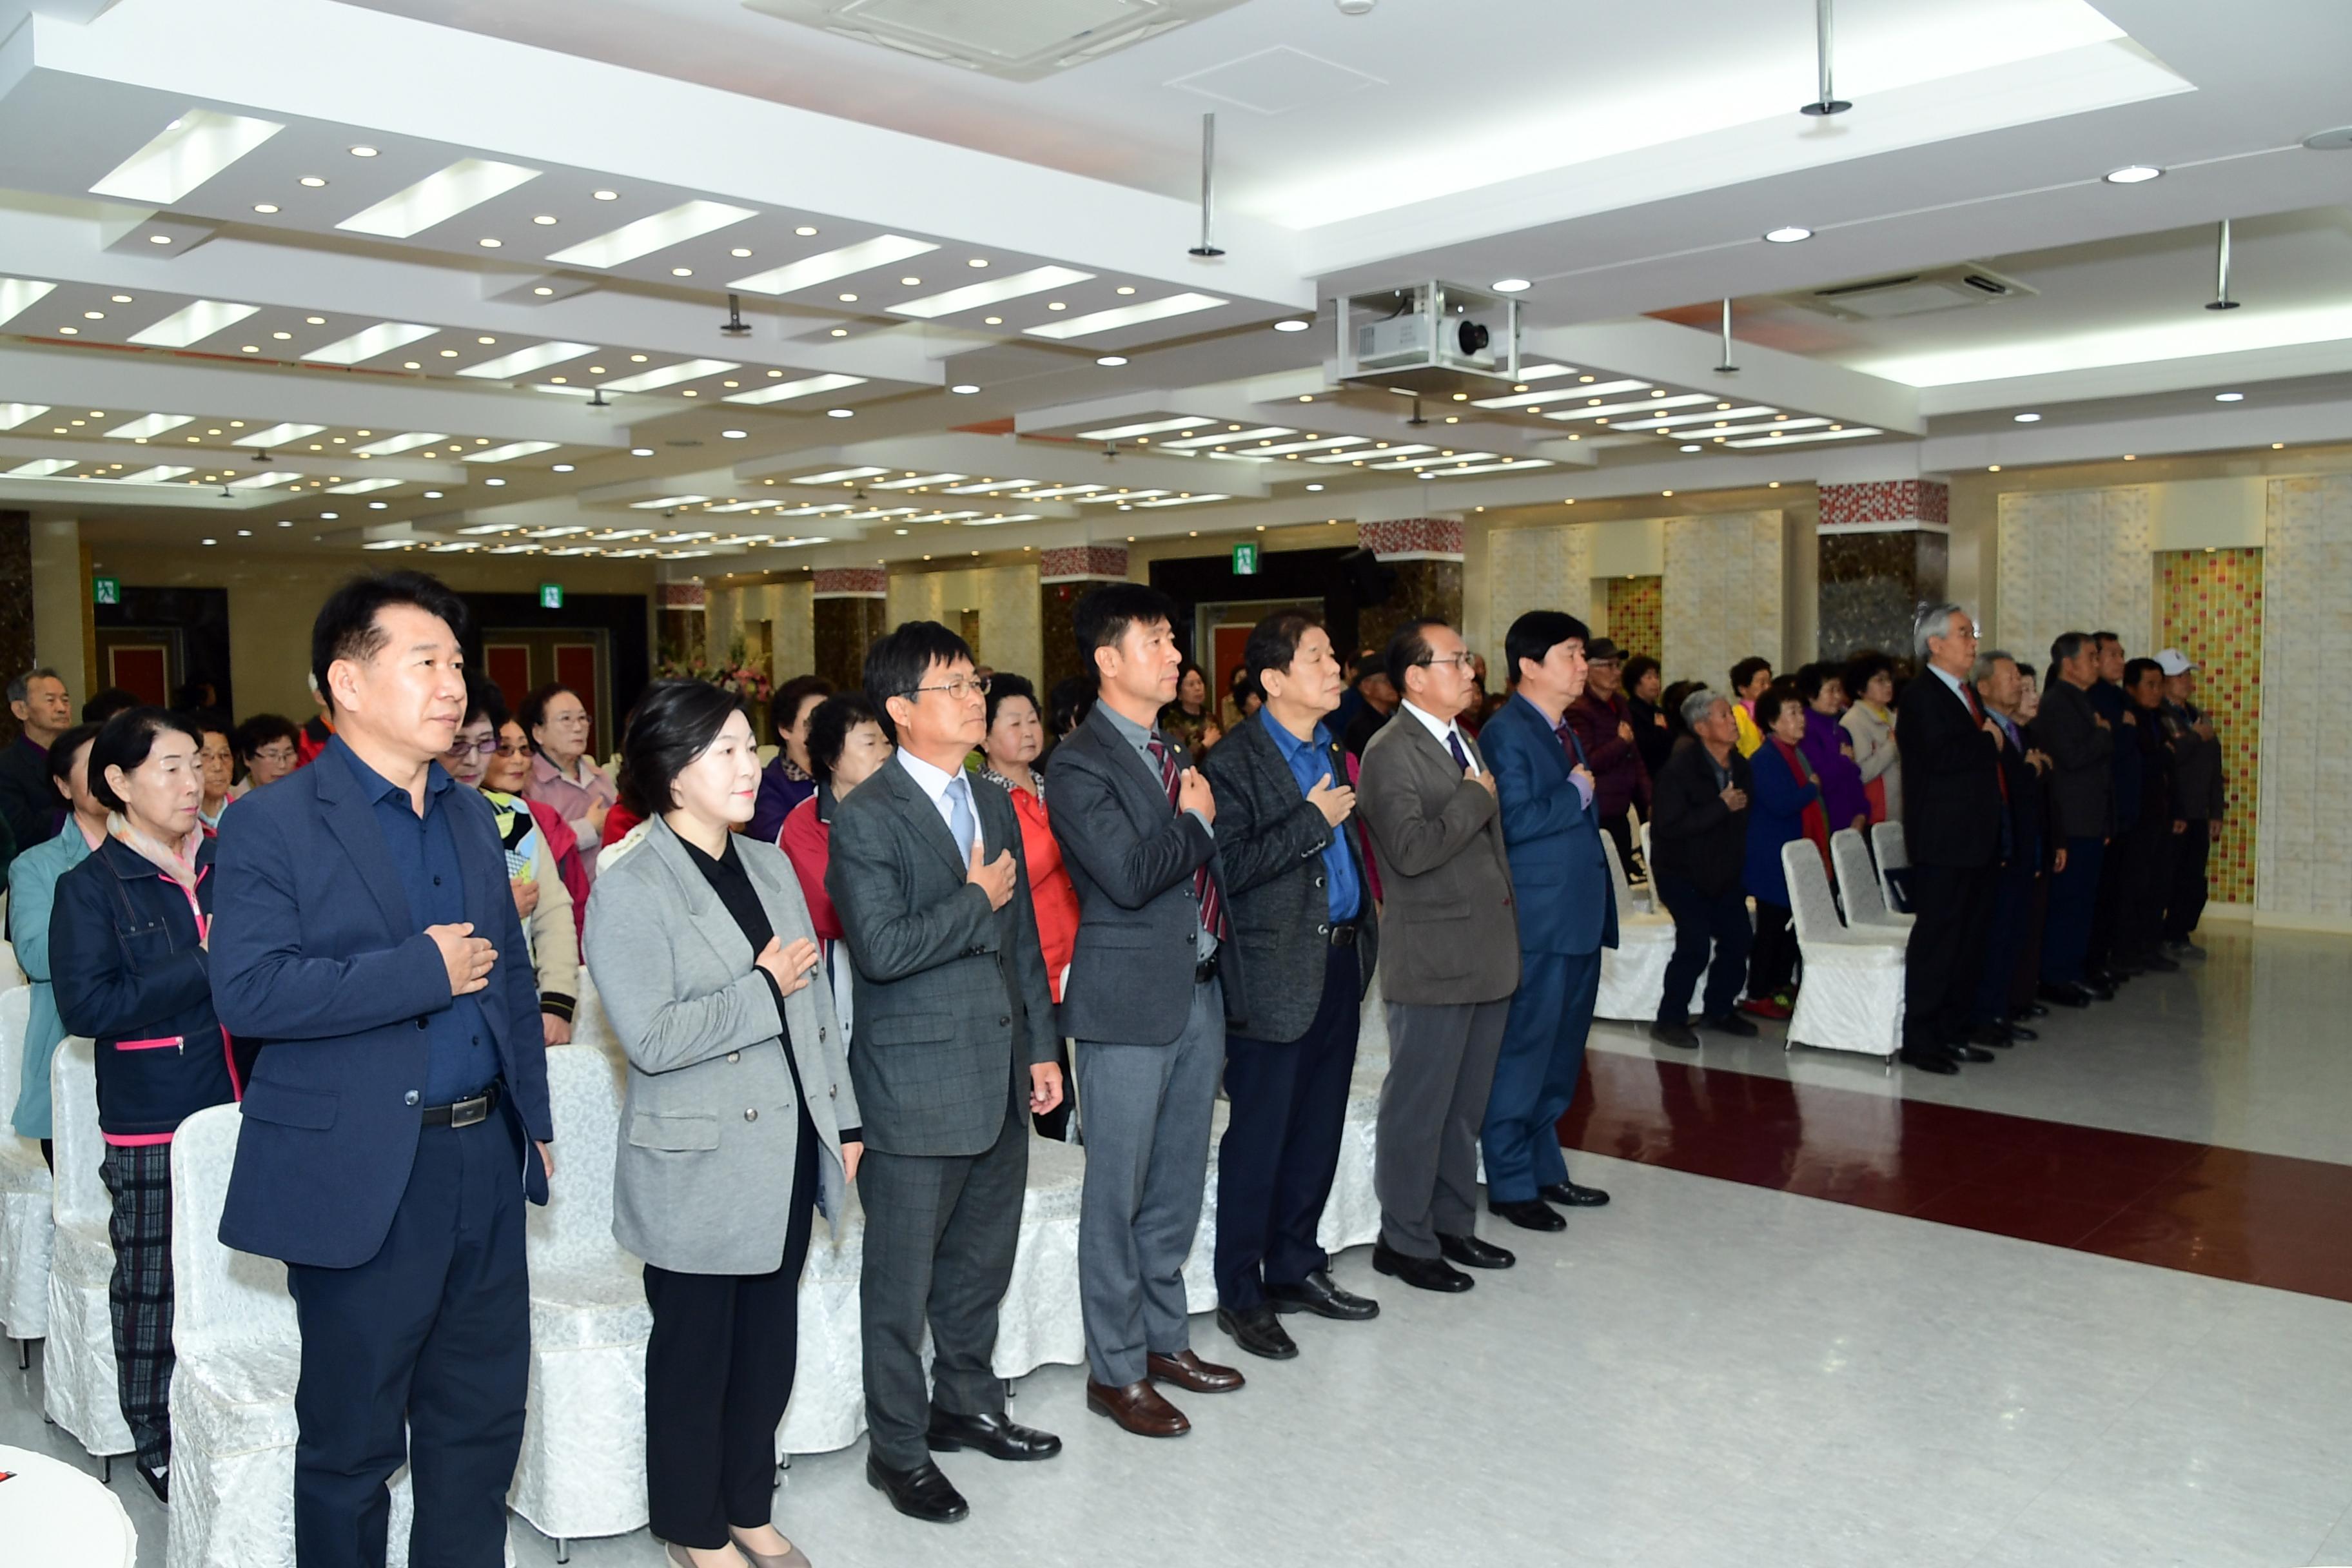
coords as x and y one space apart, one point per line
1204 887
1454 744
2000 773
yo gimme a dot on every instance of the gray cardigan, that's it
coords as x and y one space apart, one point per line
709 1131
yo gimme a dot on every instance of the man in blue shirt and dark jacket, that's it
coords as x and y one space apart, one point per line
365 936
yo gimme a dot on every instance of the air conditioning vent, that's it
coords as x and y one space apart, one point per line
1913 293
1020 40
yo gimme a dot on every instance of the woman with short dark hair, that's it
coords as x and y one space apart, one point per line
128 949
32 895
739 1120
1015 740
562 775
788 780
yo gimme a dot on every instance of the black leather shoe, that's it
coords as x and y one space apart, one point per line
2067 996
1568 1195
1472 1252
2020 1032
1681 1035
1729 1023
2159 963
2031 1010
1928 1061
1961 1051
2101 991
158 1482
1996 1035
1258 1331
1421 1273
1317 1294
919 1493
997 1436
1528 1215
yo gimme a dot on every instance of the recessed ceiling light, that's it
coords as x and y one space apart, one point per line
70 331
977 261
740 251
804 231
192 149
159 239
849 298
2228 397
911 282
607 196
681 271
265 206
637 359
312 180
1512 286
487 242
100 315
963 389
1290 326
1314 487
430 495
841 332
494 481
734 435
544 220
641 451
991 320
544 292
1992 467
840 413
212 542
2027 418
1789 236
1056 305
1693 447
1110 361
2132 175
192 323
121 299
363 152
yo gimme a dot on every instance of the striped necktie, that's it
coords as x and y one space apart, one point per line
1204 887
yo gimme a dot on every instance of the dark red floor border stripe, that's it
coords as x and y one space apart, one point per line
2260 1219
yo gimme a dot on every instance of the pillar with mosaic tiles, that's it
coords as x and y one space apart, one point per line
1064 575
1885 550
847 608
2208 604
1425 554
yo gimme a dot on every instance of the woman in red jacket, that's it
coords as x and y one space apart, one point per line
845 748
1017 736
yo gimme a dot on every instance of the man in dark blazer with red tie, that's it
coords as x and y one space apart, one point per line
1953 827
364 942
1568 913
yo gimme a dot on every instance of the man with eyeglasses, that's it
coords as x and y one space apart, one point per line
1450 959
955 1049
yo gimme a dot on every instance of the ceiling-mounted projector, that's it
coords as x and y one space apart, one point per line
1428 337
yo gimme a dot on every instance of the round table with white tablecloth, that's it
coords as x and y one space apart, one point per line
60 1517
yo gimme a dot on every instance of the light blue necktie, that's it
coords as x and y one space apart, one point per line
960 818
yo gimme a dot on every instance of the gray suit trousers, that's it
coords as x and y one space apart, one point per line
940 1231
1425 1164
1146 1110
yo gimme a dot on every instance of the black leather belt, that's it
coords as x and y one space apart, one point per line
463 1112
1341 935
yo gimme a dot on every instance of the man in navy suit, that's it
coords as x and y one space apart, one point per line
1568 913
365 939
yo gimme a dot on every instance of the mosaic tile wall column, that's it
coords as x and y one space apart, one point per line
1637 608
1885 550
1722 601
848 608
1425 554
2072 561
2303 858
2208 604
1064 576
16 606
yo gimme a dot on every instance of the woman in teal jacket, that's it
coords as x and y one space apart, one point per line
32 890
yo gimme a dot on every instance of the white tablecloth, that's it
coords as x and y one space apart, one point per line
60 1517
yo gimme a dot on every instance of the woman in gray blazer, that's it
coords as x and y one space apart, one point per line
740 1119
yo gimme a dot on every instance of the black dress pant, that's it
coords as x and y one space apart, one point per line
2025 979
1281 1148
1703 922
1944 958
433 1331
2146 884
719 1373
2192 847
2009 933
2100 951
1772 961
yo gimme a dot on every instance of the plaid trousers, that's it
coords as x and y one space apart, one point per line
140 1292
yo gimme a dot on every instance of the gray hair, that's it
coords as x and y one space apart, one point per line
21 688
1987 659
1933 620
2067 648
1696 705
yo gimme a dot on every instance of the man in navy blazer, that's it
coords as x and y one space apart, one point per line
365 936
1568 913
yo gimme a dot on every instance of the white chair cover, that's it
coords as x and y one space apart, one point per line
1633 973
1867 914
1852 998
27 1193
583 1468
1887 846
10 973
77 1367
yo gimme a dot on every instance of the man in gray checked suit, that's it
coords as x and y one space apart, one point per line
1450 962
1144 1004
954 1044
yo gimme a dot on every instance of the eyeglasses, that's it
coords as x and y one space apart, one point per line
1466 662
481 748
275 755
958 689
512 748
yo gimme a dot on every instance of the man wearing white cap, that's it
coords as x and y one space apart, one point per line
2199 796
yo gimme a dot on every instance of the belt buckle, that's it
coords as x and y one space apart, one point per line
467 1112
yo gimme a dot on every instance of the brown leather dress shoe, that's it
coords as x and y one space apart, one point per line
1186 1370
1139 1408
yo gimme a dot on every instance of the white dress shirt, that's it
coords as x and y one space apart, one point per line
934 781
1441 729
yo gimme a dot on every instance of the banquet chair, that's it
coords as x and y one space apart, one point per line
581 1471
1633 973
27 1194
77 1383
1852 998
1894 857
1867 914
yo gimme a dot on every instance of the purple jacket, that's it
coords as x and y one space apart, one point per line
1619 778
1842 796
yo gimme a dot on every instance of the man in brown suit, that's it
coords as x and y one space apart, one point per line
1449 964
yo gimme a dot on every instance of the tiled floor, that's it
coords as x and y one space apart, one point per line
1721 1373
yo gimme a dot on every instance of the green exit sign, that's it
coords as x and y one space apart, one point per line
106 590
551 595
1244 560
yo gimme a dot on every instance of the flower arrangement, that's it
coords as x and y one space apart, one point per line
735 674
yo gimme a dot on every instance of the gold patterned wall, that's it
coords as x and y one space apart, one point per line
2208 604
1637 607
